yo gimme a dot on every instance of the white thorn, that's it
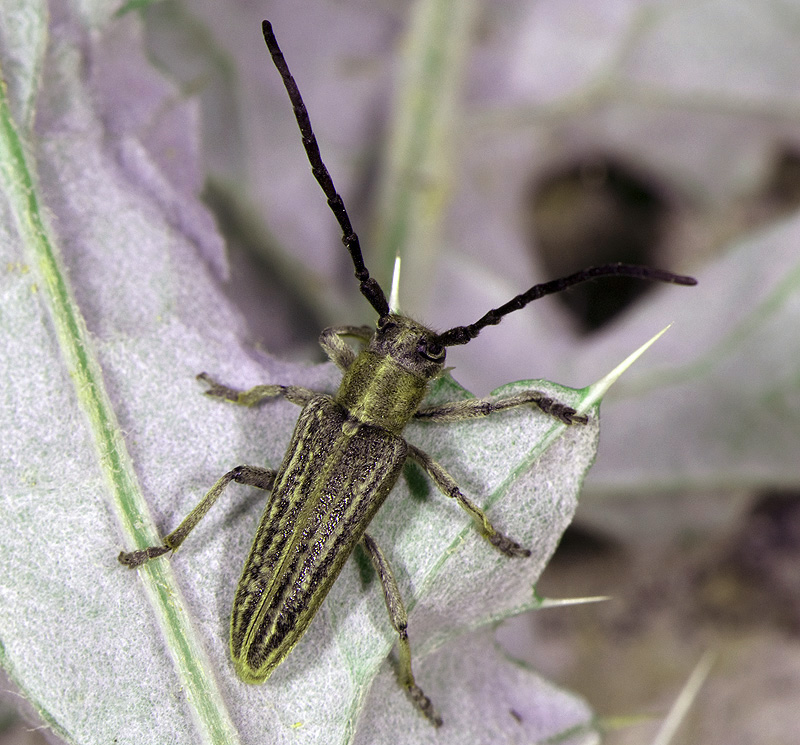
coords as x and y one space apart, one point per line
394 295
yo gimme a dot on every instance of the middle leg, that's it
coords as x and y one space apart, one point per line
262 478
448 486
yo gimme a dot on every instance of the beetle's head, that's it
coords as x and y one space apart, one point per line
410 344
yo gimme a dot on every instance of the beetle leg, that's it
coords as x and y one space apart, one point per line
255 395
263 478
399 618
472 408
340 353
447 485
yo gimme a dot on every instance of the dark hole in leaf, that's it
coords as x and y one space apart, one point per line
782 190
594 211
580 544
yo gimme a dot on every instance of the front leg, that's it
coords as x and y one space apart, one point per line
472 408
340 353
294 393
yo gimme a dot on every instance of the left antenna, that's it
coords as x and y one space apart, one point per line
369 287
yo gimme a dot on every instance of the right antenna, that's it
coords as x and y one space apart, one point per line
463 334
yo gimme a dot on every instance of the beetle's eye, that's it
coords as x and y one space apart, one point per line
431 350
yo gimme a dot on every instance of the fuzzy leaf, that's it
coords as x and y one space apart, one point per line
109 308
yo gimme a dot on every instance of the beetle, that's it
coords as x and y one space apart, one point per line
347 452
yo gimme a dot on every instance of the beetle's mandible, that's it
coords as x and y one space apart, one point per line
347 452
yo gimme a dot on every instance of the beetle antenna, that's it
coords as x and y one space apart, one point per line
463 334
369 287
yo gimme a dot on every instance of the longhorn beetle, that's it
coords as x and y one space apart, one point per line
347 452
